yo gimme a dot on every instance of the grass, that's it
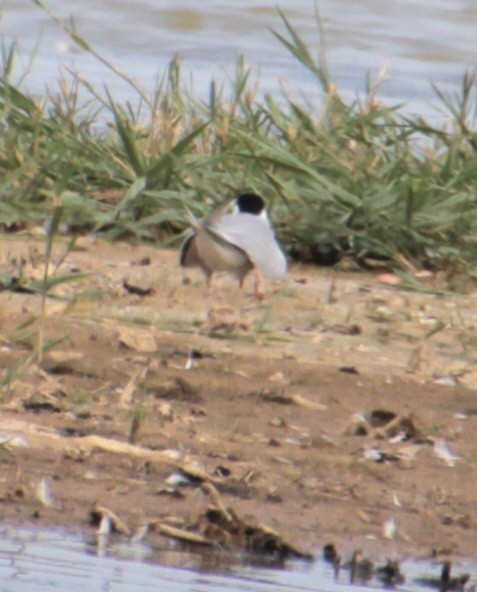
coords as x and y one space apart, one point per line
359 179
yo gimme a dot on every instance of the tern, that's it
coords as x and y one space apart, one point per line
234 242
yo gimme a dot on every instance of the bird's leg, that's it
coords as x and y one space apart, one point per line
208 277
258 292
258 286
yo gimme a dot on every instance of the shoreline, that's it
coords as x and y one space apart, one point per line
272 409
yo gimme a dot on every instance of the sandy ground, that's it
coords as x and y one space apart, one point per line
279 403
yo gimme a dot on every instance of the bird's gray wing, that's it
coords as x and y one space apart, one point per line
255 237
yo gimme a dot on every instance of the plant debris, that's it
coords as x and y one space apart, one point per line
98 512
221 526
265 417
282 399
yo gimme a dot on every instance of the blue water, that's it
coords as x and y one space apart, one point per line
416 42
34 560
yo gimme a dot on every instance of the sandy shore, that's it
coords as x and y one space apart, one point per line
279 403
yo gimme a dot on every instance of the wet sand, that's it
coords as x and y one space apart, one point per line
144 374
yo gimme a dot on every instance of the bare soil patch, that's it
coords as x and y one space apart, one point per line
145 376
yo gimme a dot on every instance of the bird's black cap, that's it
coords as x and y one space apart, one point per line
250 203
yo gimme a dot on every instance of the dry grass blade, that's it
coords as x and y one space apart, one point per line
185 536
52 230
98 513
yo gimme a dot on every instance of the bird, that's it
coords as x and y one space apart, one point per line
234 242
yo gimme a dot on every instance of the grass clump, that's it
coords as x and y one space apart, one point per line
358 178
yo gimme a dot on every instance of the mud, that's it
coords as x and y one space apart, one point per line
142 374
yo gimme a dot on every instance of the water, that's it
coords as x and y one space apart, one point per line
33 560
417 42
